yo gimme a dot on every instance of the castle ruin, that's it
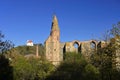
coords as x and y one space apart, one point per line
55 50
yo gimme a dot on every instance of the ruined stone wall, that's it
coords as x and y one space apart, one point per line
84 47
55 50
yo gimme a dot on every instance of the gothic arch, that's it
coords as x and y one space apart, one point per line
93 44
76 42
77 46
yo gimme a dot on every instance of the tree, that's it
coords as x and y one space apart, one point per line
6 70
75 67
4 44
91 72
31 69
115 30
106 58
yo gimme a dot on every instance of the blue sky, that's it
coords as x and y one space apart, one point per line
22 20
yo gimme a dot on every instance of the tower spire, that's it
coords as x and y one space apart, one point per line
55 24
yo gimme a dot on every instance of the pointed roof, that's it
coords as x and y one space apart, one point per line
55 24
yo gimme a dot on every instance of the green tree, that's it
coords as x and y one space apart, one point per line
6 70
105 58
75 67
91 72
28 68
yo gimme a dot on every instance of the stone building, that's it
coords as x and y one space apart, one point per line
55 50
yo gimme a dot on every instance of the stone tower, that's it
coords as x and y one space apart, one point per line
52 44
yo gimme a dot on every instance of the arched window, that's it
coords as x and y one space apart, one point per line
93 45
76 45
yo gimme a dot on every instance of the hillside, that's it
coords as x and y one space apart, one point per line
26 50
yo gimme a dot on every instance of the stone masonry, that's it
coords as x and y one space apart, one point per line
52 44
